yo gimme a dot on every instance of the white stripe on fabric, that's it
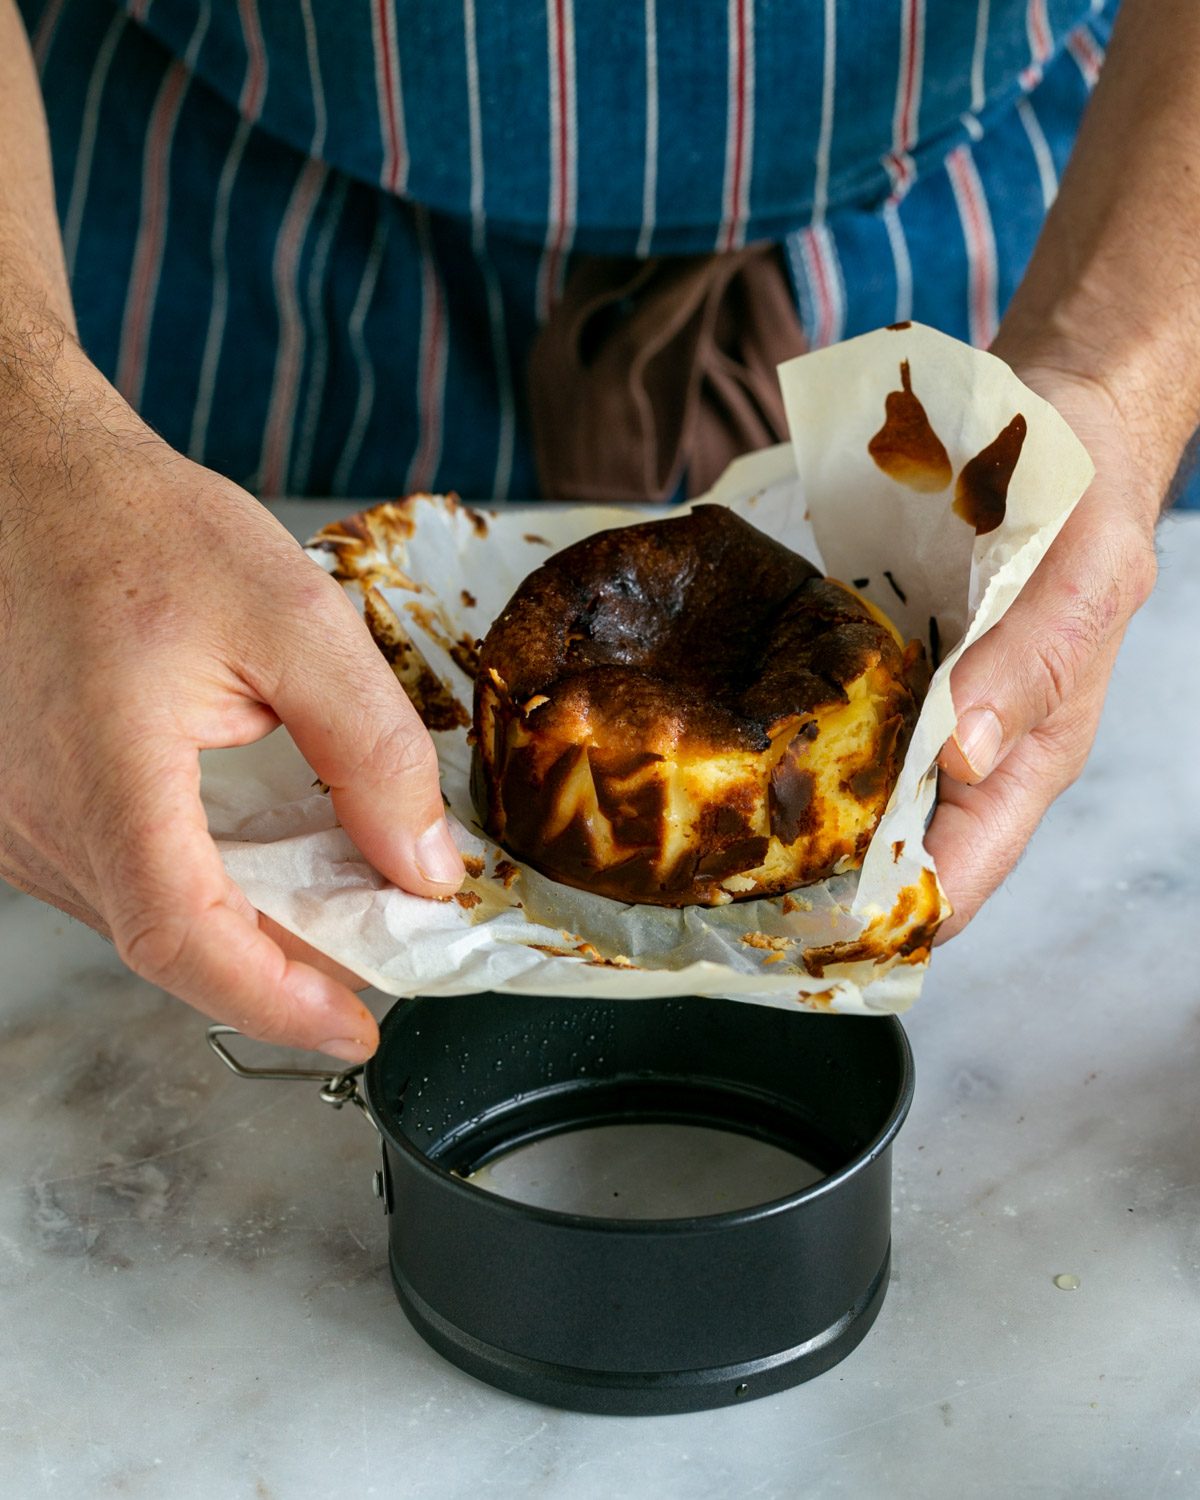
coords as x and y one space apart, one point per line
279 429
320 115
901 260
560 47
474 115
502 479
825 138
319 361
433 354
979 56
555 104
506 438
980 241
218 312
748 118
650 167
389 91
1040 146
138 316
365 400
572 122
253 91
86 150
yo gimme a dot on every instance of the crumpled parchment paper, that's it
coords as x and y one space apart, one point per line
872 488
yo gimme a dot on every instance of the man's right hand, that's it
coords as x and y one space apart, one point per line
150 609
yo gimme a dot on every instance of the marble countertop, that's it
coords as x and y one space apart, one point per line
192 1268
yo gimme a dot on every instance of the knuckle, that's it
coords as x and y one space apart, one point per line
1126 570
1056 658
402 749
154 945
311 592
311 625
1141 571
155 913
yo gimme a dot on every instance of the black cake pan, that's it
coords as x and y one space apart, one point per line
636 1316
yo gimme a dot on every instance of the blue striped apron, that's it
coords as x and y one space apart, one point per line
313 241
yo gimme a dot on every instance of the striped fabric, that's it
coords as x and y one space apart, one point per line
312 241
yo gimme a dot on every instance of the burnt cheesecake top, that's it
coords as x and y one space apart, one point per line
700 631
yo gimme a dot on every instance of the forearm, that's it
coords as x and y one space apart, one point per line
1112 294
58 415
33 276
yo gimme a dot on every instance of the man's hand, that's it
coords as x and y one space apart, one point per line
1028 694
150 609
1105 325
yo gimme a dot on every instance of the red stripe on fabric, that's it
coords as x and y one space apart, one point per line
739 131
975 228
383 14
900 169
548 278
910 74
561 64
131 362
254 84
281 411
818 275
1039 30
46 28
420 475
563 163
1087 54
1041 44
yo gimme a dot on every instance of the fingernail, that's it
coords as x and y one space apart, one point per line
437 858
979 736
347 1049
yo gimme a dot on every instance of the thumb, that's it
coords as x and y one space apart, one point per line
178 920
1034 659
359 732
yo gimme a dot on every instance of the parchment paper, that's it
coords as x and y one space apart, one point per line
432 575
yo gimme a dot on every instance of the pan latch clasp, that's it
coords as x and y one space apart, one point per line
337 1088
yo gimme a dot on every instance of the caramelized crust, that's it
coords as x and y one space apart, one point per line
686 711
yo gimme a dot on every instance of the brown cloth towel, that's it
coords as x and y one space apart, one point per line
653 371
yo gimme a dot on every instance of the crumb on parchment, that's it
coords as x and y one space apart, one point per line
765 941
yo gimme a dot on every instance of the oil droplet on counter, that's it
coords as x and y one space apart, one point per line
1067 1283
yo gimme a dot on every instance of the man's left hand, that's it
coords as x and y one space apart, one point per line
1028 695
